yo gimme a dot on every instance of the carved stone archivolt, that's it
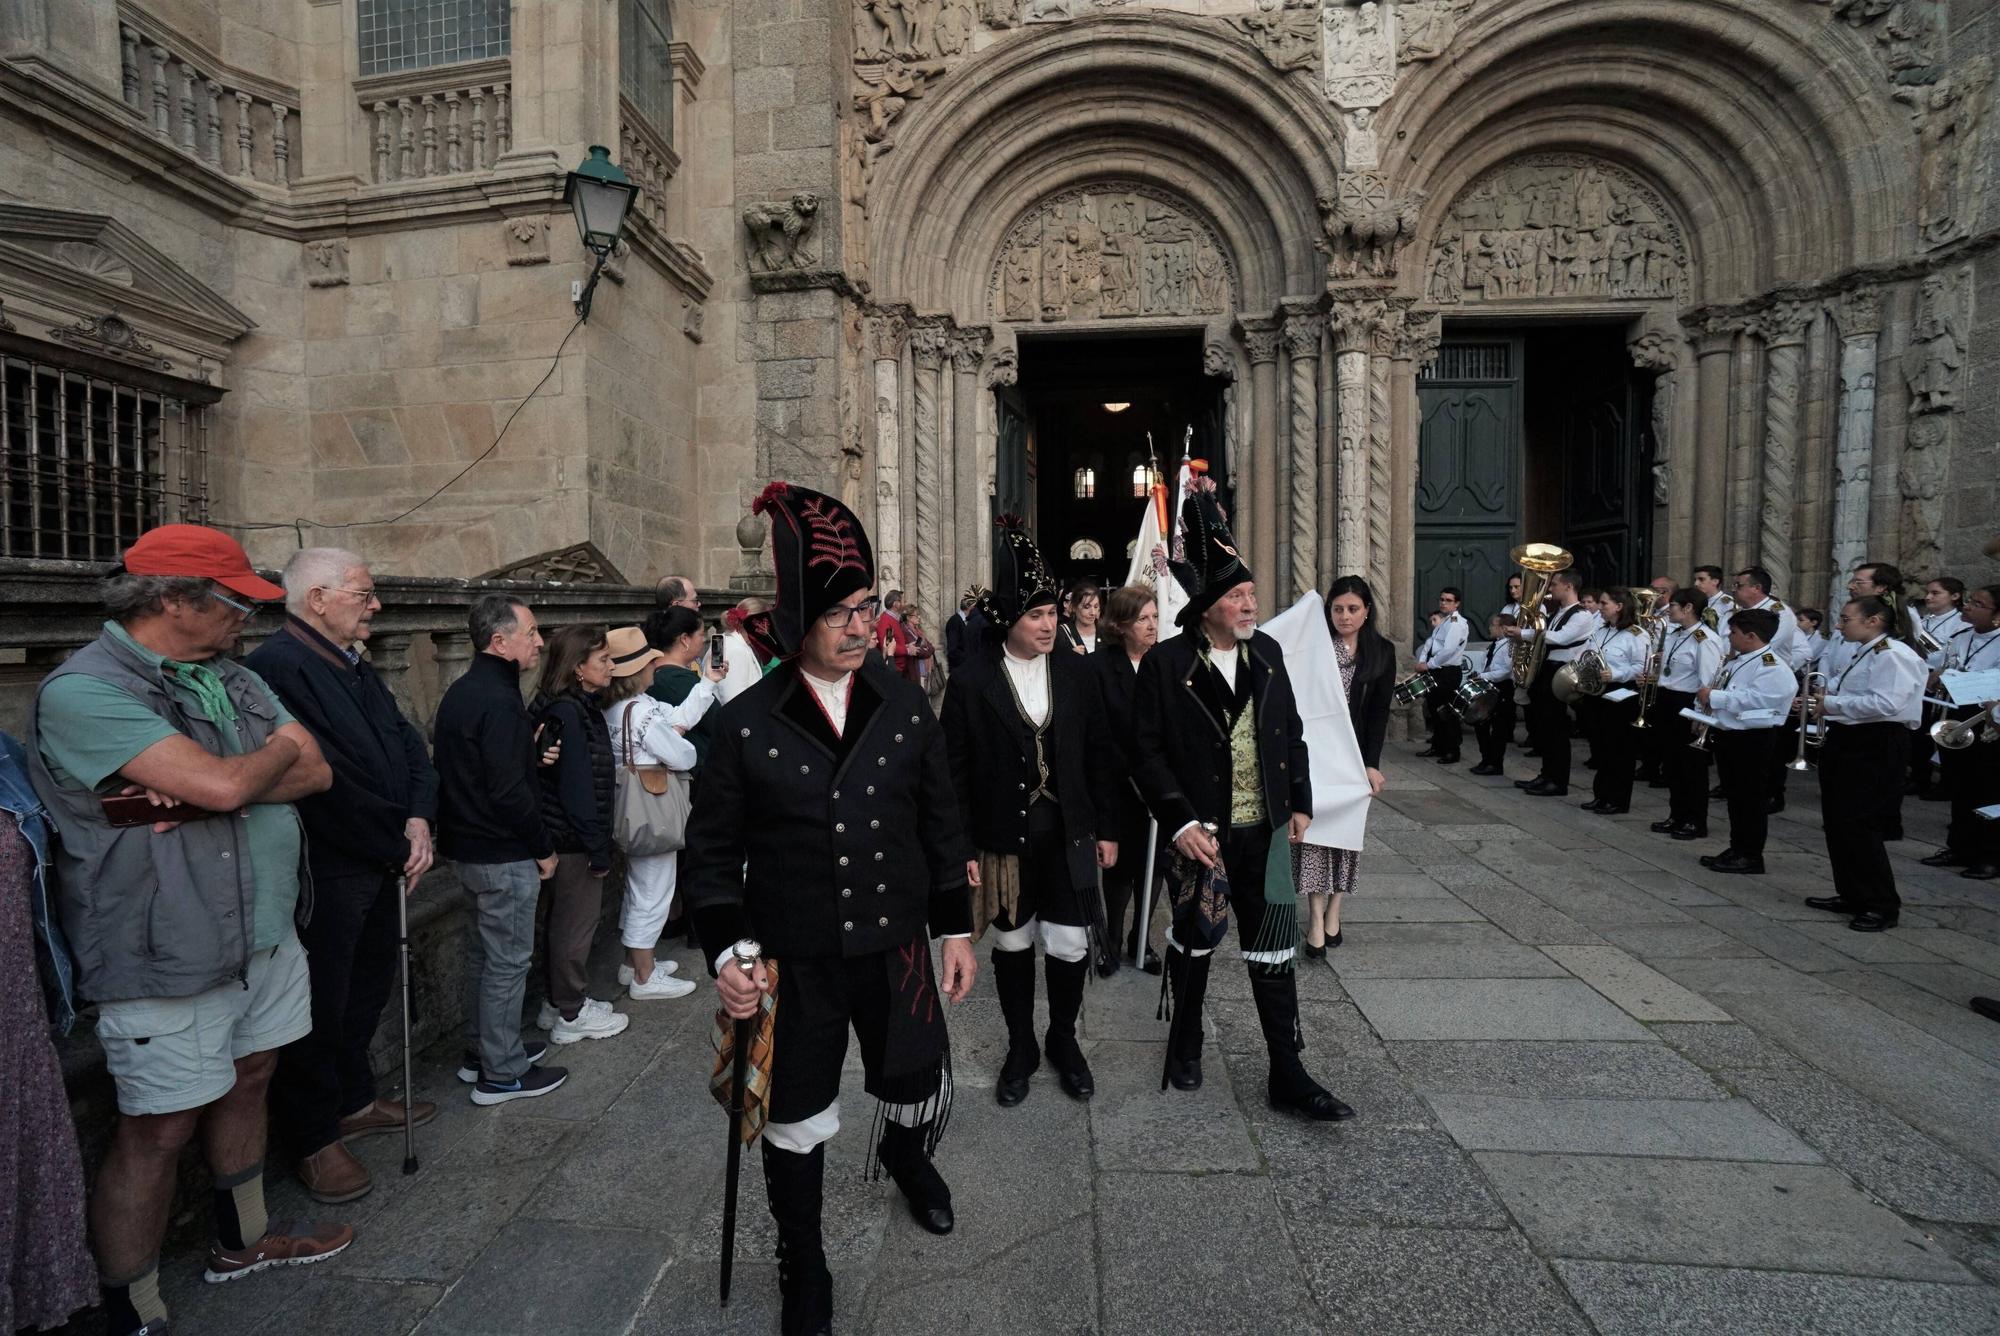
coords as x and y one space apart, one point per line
1111 251
1557 225
1425 29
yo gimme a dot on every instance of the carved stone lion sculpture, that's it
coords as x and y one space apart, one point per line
781 235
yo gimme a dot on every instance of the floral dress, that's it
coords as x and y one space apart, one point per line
1316 869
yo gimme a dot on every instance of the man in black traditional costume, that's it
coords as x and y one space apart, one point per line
824 829
1025 732
1219 755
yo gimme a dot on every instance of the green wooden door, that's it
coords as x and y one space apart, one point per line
1468 476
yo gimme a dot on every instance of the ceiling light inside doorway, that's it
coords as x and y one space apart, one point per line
1116 408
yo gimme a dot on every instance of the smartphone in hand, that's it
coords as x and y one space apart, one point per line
716 658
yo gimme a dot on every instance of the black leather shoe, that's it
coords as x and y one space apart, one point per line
1484 769
1981 872
903 1155
1989 1007
1594 805
1012 1087
1664 827
1428 751
1731 861
1449 758
1874 920
1311 952
1612 809
1945 858
1339 935
1184 1073
1072 1072
1687 830
1151 964
1107 964
1832 904
1527 783
1310 1101
1541 788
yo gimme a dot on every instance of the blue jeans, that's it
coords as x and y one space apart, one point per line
503 943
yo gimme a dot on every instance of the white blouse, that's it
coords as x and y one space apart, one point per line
655 740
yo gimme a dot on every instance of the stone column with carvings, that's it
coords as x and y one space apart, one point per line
927 353
1302 333
1262 456
1393 574
885 346
1355 323
1381 426
1660 353
1783 329
1858 318
967 518
1003 369
1715 349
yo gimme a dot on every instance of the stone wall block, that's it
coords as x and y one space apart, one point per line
764 90
789 379
802 127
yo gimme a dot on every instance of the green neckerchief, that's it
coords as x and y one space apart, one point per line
206 685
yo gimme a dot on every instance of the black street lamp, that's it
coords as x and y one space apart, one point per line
600 195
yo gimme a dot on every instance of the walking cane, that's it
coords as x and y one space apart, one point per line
745 954
409 1085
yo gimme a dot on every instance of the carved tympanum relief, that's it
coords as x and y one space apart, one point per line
1557 225
1359 50
1105 252
1951 117
1285 31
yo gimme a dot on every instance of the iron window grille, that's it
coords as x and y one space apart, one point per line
646 63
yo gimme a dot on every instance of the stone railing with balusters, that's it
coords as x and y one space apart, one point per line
439 121
649 160
238 123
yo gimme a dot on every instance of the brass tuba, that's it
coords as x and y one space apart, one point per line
1538 561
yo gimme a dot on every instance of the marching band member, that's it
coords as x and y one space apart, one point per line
1689 660
1624 649
1496 668
1972 774
1753 590
1939 619
1750 698
1548 721
1443 657
1512 604
1708 583
1868 708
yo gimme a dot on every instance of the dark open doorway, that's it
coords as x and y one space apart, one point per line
1532 434
1074 467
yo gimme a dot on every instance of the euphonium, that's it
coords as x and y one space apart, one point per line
1538 561
1809 716
1958 734
1654 624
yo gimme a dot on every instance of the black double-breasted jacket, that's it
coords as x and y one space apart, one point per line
824 845
1180 737
1117 686
992 751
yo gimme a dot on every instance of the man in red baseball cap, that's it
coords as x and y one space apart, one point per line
182 926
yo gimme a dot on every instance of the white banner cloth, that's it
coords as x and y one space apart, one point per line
1339 779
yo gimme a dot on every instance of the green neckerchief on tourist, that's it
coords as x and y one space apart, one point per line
206 685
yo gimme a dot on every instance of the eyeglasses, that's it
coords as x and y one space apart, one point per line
363 594
247 609
840 616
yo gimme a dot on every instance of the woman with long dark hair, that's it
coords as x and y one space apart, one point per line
1367 672
577 796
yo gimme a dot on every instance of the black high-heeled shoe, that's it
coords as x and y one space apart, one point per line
1314 952
1335 940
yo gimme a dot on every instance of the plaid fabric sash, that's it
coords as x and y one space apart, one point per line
757 1073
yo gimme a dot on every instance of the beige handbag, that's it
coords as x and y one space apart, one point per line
651 813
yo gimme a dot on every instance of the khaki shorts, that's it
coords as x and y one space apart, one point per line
167 1054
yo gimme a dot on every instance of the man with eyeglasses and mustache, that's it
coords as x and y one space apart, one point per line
825 840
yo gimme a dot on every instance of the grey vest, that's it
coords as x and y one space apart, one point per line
154 915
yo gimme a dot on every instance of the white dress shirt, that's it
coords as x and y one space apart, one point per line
1755 691
1784 638
1973 649
1568 630
1624 654
1806 651
655 739
1689 658
1446 646
1942 627
1883 683
1498 665
1031 684
832 698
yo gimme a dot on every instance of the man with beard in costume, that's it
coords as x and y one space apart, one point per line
824 830
1219 755
1025 732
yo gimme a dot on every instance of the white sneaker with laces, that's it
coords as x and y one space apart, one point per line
626 974
662 984
546 1018
594 1020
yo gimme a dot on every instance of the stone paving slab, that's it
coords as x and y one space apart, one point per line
1469 1282
1490 1009
1628 1300
1943 1017
1557 1070
1680 939
1446 908
1703 1212
555 1279
1137 1126
1641 993
1730 1129
1439 951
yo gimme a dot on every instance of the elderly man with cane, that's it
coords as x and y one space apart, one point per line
823 854
368 841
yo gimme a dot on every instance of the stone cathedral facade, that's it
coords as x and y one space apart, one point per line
1668 281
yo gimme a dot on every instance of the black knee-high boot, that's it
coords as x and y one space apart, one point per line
1065 1003
1188 976
1117 898
1277 995
1014 977
903 1155
795 1184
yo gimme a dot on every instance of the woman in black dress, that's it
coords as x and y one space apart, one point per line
1132 626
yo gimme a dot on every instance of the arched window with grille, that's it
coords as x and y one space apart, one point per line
1085 483
1143 478
646 63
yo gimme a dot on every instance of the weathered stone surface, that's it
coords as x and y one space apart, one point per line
539 1275
1471 1281
1556 1070
1642 993
1683 1129
1439 951
1490 1009
1629 1300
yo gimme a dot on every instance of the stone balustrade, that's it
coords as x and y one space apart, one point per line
440 121
238 123
649 160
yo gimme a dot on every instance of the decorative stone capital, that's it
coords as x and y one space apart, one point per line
885 337
527 239
1857 314
1005 368
1656 350
1355 323
927 346
326 263
1785 324
1418 340
1261 339
1215 359
967 348
1301 334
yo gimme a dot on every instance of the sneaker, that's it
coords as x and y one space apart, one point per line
535 1081
662 984
296 1244
594 1020
660 966
468 1062
546 1018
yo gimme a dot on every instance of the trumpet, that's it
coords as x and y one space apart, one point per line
1655 625
1921 640
1958 734
1538 561
1698 735
1809 718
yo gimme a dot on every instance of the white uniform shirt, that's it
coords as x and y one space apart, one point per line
1624 654
1722 605
1568 629
1943 628
1783 639
1972 649
1512 609
1497 664
1689 658
1839 652
1883 682
1755 691
832 698
1031 684
1807 648
1446 646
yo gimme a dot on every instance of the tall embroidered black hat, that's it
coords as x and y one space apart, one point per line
1021 579
821 553
1208 565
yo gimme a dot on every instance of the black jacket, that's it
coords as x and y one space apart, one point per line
822 846
382 773
1117 686
579 789
1181 751
489 808
992 751
1368 707
962 638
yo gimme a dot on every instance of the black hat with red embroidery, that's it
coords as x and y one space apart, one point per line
1021 579
821 553
1209 565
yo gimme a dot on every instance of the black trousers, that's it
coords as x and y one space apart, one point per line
1682 764
1447 733
1046 893
1972 778
1548 725
819 999
350 944
1121 885
1861 802
1617 749
1744 759
1782 751
1498 730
